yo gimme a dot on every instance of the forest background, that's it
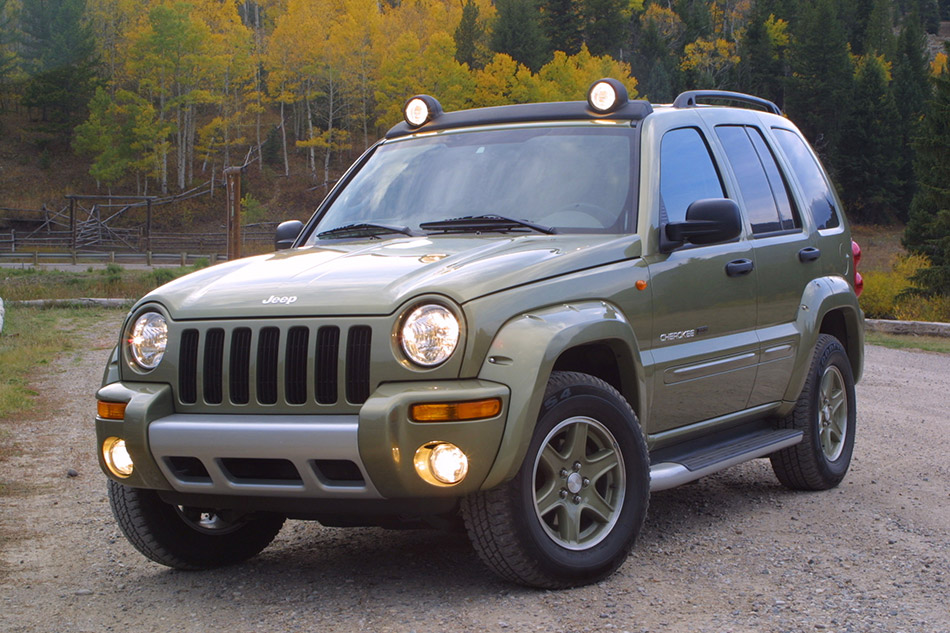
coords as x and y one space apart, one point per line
154 96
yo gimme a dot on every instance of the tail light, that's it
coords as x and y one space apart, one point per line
858 280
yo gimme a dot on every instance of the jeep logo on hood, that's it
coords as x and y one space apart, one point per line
276 299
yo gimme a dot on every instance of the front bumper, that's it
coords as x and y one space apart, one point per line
364 456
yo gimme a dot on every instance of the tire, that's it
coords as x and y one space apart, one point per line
825 413
573 512
188 538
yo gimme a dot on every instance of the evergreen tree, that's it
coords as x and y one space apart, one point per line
911 91
7 56
868 163
879 36
59 58
561 22
928 230
468 38
518 33
820 87
604 26
760 68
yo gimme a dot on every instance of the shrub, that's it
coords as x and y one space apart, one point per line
892 294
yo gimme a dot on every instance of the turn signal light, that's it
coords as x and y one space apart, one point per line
455 411
111 410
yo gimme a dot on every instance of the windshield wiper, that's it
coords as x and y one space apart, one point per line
484 223
362 229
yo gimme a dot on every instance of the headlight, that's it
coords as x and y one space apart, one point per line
429 335
147 340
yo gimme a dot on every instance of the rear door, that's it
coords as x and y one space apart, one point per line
785 255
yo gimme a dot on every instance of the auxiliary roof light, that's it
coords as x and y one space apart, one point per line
606 95
421 109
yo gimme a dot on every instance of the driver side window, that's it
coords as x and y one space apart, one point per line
687 172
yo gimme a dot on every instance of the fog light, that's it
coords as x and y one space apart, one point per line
441 463
117 457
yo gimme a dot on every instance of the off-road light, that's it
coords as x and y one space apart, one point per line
117 457
111 410
441 463
147 339
455 411
606 95
421 109
429 334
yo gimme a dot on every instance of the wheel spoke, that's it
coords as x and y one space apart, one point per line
836 401
601 463
548 497
568 523
598 506
575 445
551 460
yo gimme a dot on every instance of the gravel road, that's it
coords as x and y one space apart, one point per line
734 552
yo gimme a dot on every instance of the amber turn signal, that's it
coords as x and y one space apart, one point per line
455 411
111 410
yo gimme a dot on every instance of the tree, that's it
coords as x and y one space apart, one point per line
470 38
604 26
760 70
911 91
517 33
7 53
561 22
819 91
928 230
59 59
868 172
657 40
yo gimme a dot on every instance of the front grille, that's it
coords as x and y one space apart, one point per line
274 365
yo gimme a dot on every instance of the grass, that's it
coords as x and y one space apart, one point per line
113 281
880 246
31 338
927 343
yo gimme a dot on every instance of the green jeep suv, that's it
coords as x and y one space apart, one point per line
522 318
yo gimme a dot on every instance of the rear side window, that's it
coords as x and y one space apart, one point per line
764 190
687 172
819 200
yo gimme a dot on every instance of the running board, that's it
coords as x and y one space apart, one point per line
677 470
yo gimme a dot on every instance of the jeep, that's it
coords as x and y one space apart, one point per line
521 319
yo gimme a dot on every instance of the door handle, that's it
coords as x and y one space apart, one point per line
809 254
739 267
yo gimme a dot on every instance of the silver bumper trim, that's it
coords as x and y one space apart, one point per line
299 439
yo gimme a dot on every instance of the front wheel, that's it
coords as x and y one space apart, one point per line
186 537
572 513
825 413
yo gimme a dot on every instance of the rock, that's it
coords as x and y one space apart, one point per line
84 592
1 315
72 472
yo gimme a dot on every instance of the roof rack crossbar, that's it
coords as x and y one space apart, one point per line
690 98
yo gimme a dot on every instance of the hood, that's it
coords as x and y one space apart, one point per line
375 277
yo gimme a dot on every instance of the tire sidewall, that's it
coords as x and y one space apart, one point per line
580 566
832 354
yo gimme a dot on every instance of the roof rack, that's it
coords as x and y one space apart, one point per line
690 98
634 110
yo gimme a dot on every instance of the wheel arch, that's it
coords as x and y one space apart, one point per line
575 337
828 306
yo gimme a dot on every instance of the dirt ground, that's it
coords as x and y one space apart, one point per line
734 552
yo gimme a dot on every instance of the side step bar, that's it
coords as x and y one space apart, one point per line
695 462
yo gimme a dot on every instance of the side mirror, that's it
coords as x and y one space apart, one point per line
708 221
286 234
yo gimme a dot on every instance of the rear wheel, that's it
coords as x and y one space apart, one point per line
187 537
825 413
572 513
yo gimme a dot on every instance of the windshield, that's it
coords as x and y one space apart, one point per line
572 179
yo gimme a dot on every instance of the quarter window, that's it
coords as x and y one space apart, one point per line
820 201
764 190
687 172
